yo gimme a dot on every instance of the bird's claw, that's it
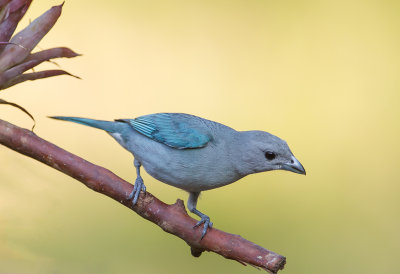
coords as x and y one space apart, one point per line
207 224
139 186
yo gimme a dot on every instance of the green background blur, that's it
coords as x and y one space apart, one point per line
323 75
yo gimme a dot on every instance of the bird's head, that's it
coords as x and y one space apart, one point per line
262 151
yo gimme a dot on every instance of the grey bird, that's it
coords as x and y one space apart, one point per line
194 154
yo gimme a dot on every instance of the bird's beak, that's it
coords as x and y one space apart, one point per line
294 166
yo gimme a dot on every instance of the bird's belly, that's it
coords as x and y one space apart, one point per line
191 179
190 170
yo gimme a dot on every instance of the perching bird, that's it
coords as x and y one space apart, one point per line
194 154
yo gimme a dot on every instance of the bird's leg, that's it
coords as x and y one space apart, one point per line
192 202
139 184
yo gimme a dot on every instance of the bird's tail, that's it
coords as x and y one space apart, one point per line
104 125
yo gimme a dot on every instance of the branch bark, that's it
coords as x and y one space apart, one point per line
171 218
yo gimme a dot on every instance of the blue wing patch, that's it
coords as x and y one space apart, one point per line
171 130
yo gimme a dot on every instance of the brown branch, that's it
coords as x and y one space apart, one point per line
171 218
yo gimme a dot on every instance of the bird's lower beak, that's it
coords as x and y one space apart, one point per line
294 166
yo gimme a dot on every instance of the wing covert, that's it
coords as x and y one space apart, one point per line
171 130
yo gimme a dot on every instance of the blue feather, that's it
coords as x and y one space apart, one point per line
174 130
104 125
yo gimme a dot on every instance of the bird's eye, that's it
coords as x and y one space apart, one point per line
270 155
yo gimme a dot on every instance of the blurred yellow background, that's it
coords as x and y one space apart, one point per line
323 75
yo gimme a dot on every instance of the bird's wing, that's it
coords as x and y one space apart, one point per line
174 130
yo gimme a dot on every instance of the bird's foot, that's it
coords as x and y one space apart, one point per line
207 224
139 186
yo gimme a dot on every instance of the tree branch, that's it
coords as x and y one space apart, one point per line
171 218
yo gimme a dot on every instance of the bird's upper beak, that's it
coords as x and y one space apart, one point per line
294 166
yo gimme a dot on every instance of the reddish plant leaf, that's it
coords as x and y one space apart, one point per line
29 38
13 72
10 15
48 54
34 76
33 60
3 3
17 4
